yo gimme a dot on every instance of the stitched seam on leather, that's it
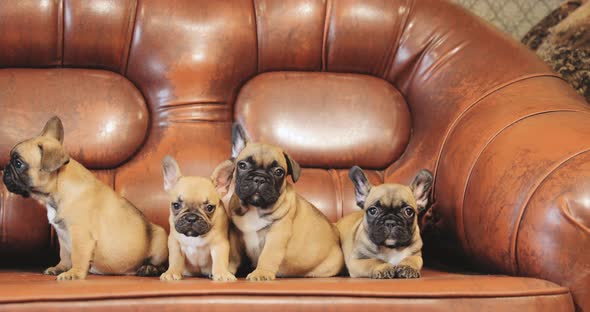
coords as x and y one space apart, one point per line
133 25
196 120
61 25
258 38
400 158
381 175
130 33
557 291
327 19
413 65
460 215
394 47
209 112
529 195
571 219
337 192
455 122
173 106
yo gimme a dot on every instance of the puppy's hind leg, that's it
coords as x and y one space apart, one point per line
154 264
331 266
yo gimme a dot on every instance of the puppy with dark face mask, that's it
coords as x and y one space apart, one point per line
283 234
202 240
383 240
98 230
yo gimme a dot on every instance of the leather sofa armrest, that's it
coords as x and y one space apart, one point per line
496 126
513 184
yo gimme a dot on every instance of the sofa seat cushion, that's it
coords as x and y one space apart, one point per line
435 291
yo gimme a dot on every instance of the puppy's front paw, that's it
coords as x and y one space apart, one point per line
170 276
54 270
223 277
383 271
404 271
71 275
260 275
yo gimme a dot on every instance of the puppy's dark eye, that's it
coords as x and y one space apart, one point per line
372 210
175 206
242 165
279 172
18 164
210 208
408 212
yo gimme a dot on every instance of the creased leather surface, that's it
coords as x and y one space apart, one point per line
497 127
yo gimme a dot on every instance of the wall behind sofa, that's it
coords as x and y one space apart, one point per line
515 17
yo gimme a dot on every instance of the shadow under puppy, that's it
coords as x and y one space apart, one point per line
98 230
202 240
383 240
283 234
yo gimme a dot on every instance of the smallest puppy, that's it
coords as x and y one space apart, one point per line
383 240
201 241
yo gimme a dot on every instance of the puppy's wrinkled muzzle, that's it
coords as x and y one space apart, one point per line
192 225
390 234
13 182
257 190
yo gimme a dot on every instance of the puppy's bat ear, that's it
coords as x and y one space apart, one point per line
293 167
53 156
239 139
422 188
222 176
54 129
362 186
171 172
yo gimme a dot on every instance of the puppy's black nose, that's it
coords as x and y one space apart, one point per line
258 180
389 223
191 218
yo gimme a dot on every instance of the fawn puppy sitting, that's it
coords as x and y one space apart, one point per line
98 230
201 241
284 235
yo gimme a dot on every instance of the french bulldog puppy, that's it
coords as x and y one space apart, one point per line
383 239
202 241
98 230
283 234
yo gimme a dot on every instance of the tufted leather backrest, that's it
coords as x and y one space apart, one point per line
106 115
410 68
308 114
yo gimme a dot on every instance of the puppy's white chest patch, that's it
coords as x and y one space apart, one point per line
196 251
250 224
394 257
59 227
251 221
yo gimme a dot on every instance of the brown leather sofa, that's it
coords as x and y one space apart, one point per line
393 86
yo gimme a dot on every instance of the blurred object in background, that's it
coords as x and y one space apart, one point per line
558 30
562 39
515 17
